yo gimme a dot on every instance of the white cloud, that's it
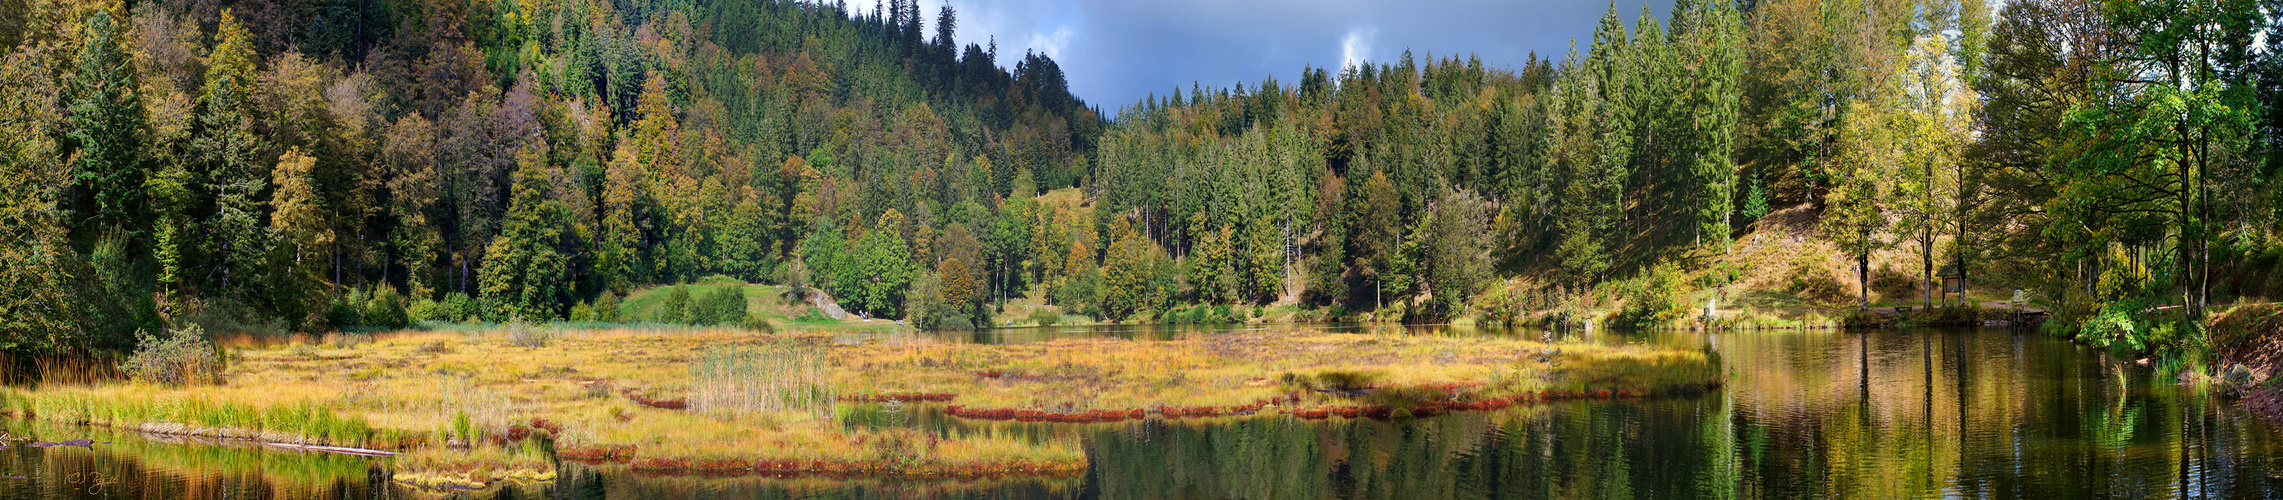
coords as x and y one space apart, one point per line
1046 26
1053 44
1355 49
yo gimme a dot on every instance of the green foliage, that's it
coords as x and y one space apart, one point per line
1045 317
581 313
721 305
346 309
882 272
526 269
386 309
182 356
458 307
1202 315
1457 251
1659 298
676 310
1136 275
425 309
106 126
1755 201
607 308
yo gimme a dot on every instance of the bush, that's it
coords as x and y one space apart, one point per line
606 308
1081 291
183 356
386 309
954 322
458 307
581 312
755 323
721 305
677 308
1045 317
425 310
434 347
1657 299
346 309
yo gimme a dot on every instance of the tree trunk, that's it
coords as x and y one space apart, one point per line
1926 265
1863 279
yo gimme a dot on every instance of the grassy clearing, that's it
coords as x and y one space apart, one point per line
473 407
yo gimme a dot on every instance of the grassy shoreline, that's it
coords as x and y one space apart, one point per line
468 408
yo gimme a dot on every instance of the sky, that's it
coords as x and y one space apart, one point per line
1114 52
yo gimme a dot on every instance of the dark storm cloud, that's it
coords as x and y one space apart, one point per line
1116 51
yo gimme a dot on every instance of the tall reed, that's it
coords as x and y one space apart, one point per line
739 380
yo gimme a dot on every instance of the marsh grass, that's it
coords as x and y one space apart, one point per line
1235 373
738 380
522 335
474 467
54 370
766 402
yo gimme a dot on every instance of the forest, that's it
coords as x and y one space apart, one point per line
271 167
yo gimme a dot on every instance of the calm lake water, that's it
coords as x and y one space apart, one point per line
1891 414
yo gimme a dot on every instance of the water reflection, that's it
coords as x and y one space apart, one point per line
1955 413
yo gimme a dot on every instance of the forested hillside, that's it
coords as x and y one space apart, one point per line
256 163
249 162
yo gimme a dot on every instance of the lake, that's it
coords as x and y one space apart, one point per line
1912 413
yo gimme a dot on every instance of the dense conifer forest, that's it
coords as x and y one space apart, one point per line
269 166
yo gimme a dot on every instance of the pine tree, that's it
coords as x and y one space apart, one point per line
1377 241
1714 58
526 273
229 155
106 127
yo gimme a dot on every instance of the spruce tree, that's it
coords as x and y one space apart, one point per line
106 127
230 156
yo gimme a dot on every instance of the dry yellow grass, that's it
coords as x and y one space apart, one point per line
432 394
1238 369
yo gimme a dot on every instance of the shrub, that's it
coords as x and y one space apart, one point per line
425 310
755 323
677 308
386 309
720 306
521 335
606 308
458 307
434 347
1344 381
581 312
1657 299
183 356
954 322
348 340
1045 317
346 309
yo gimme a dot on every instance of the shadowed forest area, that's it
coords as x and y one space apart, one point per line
274 167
